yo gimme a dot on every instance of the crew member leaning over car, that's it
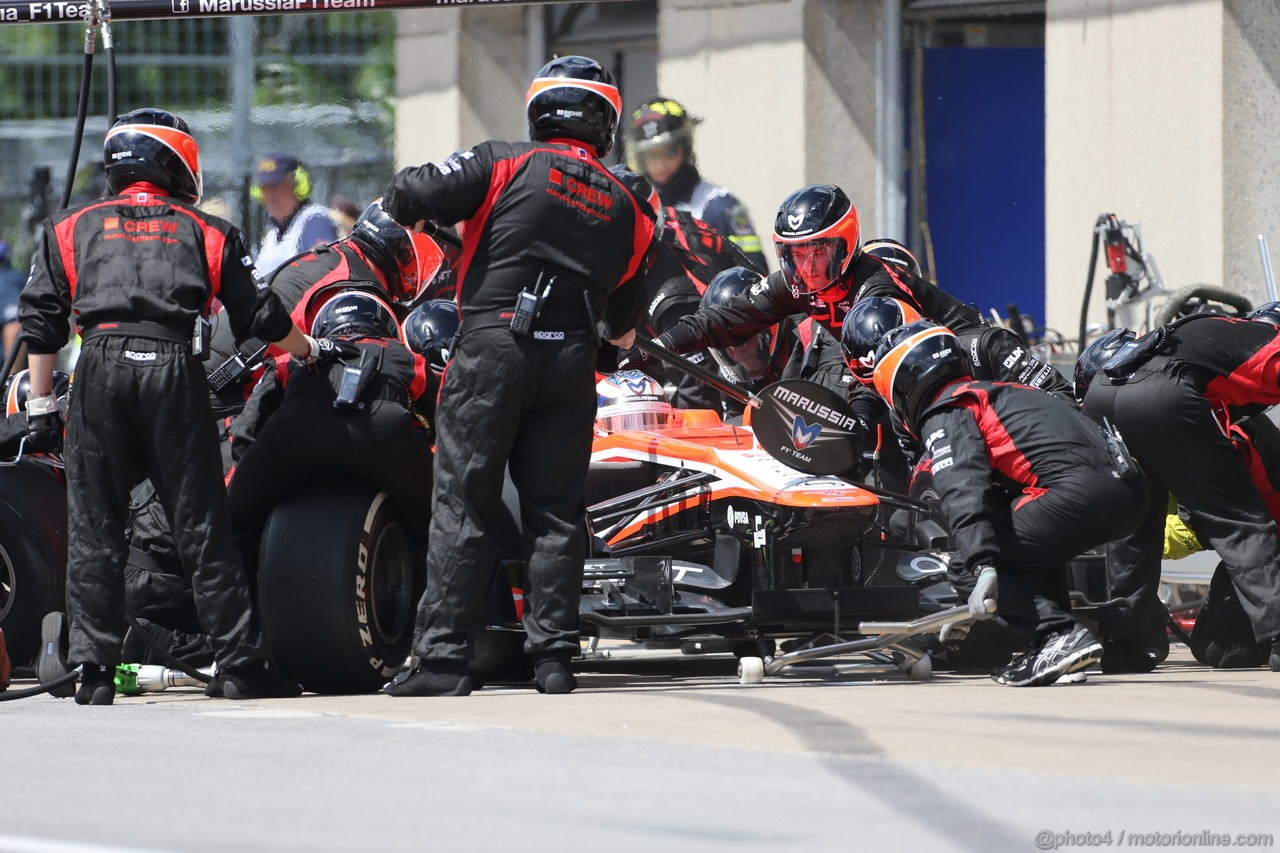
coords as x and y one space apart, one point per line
823 273
355 417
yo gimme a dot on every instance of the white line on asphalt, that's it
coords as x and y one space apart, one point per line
22 844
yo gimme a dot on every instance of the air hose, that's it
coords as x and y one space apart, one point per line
69 678
1088 286
82 108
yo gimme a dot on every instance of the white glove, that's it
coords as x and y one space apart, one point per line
985 590
954 632
39 407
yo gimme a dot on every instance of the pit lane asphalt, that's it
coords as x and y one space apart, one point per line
640 759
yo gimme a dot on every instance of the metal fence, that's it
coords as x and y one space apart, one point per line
321 87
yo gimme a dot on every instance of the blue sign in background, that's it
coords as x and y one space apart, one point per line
984 143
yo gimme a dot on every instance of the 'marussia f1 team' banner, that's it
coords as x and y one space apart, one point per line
66 11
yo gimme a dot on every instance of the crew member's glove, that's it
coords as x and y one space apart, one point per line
636 358
953 633
44 424
985 589
326 350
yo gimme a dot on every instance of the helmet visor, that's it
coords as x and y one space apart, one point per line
812 265
417 268
654 417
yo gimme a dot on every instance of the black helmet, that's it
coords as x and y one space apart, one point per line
1096 354
913 363
817 225
728 284
574 97
749 359
894 253
865 326
18 387
1267 312
154 146
408 260
431 330
638 185
355 313
659 124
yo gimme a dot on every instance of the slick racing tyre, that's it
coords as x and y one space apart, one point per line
337 588
33 554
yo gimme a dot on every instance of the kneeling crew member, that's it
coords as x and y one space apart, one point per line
1026 482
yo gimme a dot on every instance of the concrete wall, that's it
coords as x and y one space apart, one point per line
787 91
1251 121
1135 126
461 79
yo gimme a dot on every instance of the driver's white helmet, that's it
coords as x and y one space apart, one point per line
631 400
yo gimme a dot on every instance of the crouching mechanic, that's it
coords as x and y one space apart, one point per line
554 243
138 270
1176 395
1026 482
355 416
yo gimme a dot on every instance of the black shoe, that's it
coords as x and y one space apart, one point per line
258 680
554 676
51 664
1128 658
97 685
433 678
1057 655
1274 660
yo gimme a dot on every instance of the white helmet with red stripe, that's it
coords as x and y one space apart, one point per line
915 362
154 146
631 400
574 97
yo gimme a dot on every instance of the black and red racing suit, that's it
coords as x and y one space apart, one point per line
1176 412
136 270
291 434
1026 484
536 215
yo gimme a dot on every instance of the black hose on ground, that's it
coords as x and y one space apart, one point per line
69 678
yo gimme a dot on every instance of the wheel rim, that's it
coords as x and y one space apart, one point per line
391 584
8 584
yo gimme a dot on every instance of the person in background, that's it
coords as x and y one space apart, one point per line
11 282
296 223
344 212
660 147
